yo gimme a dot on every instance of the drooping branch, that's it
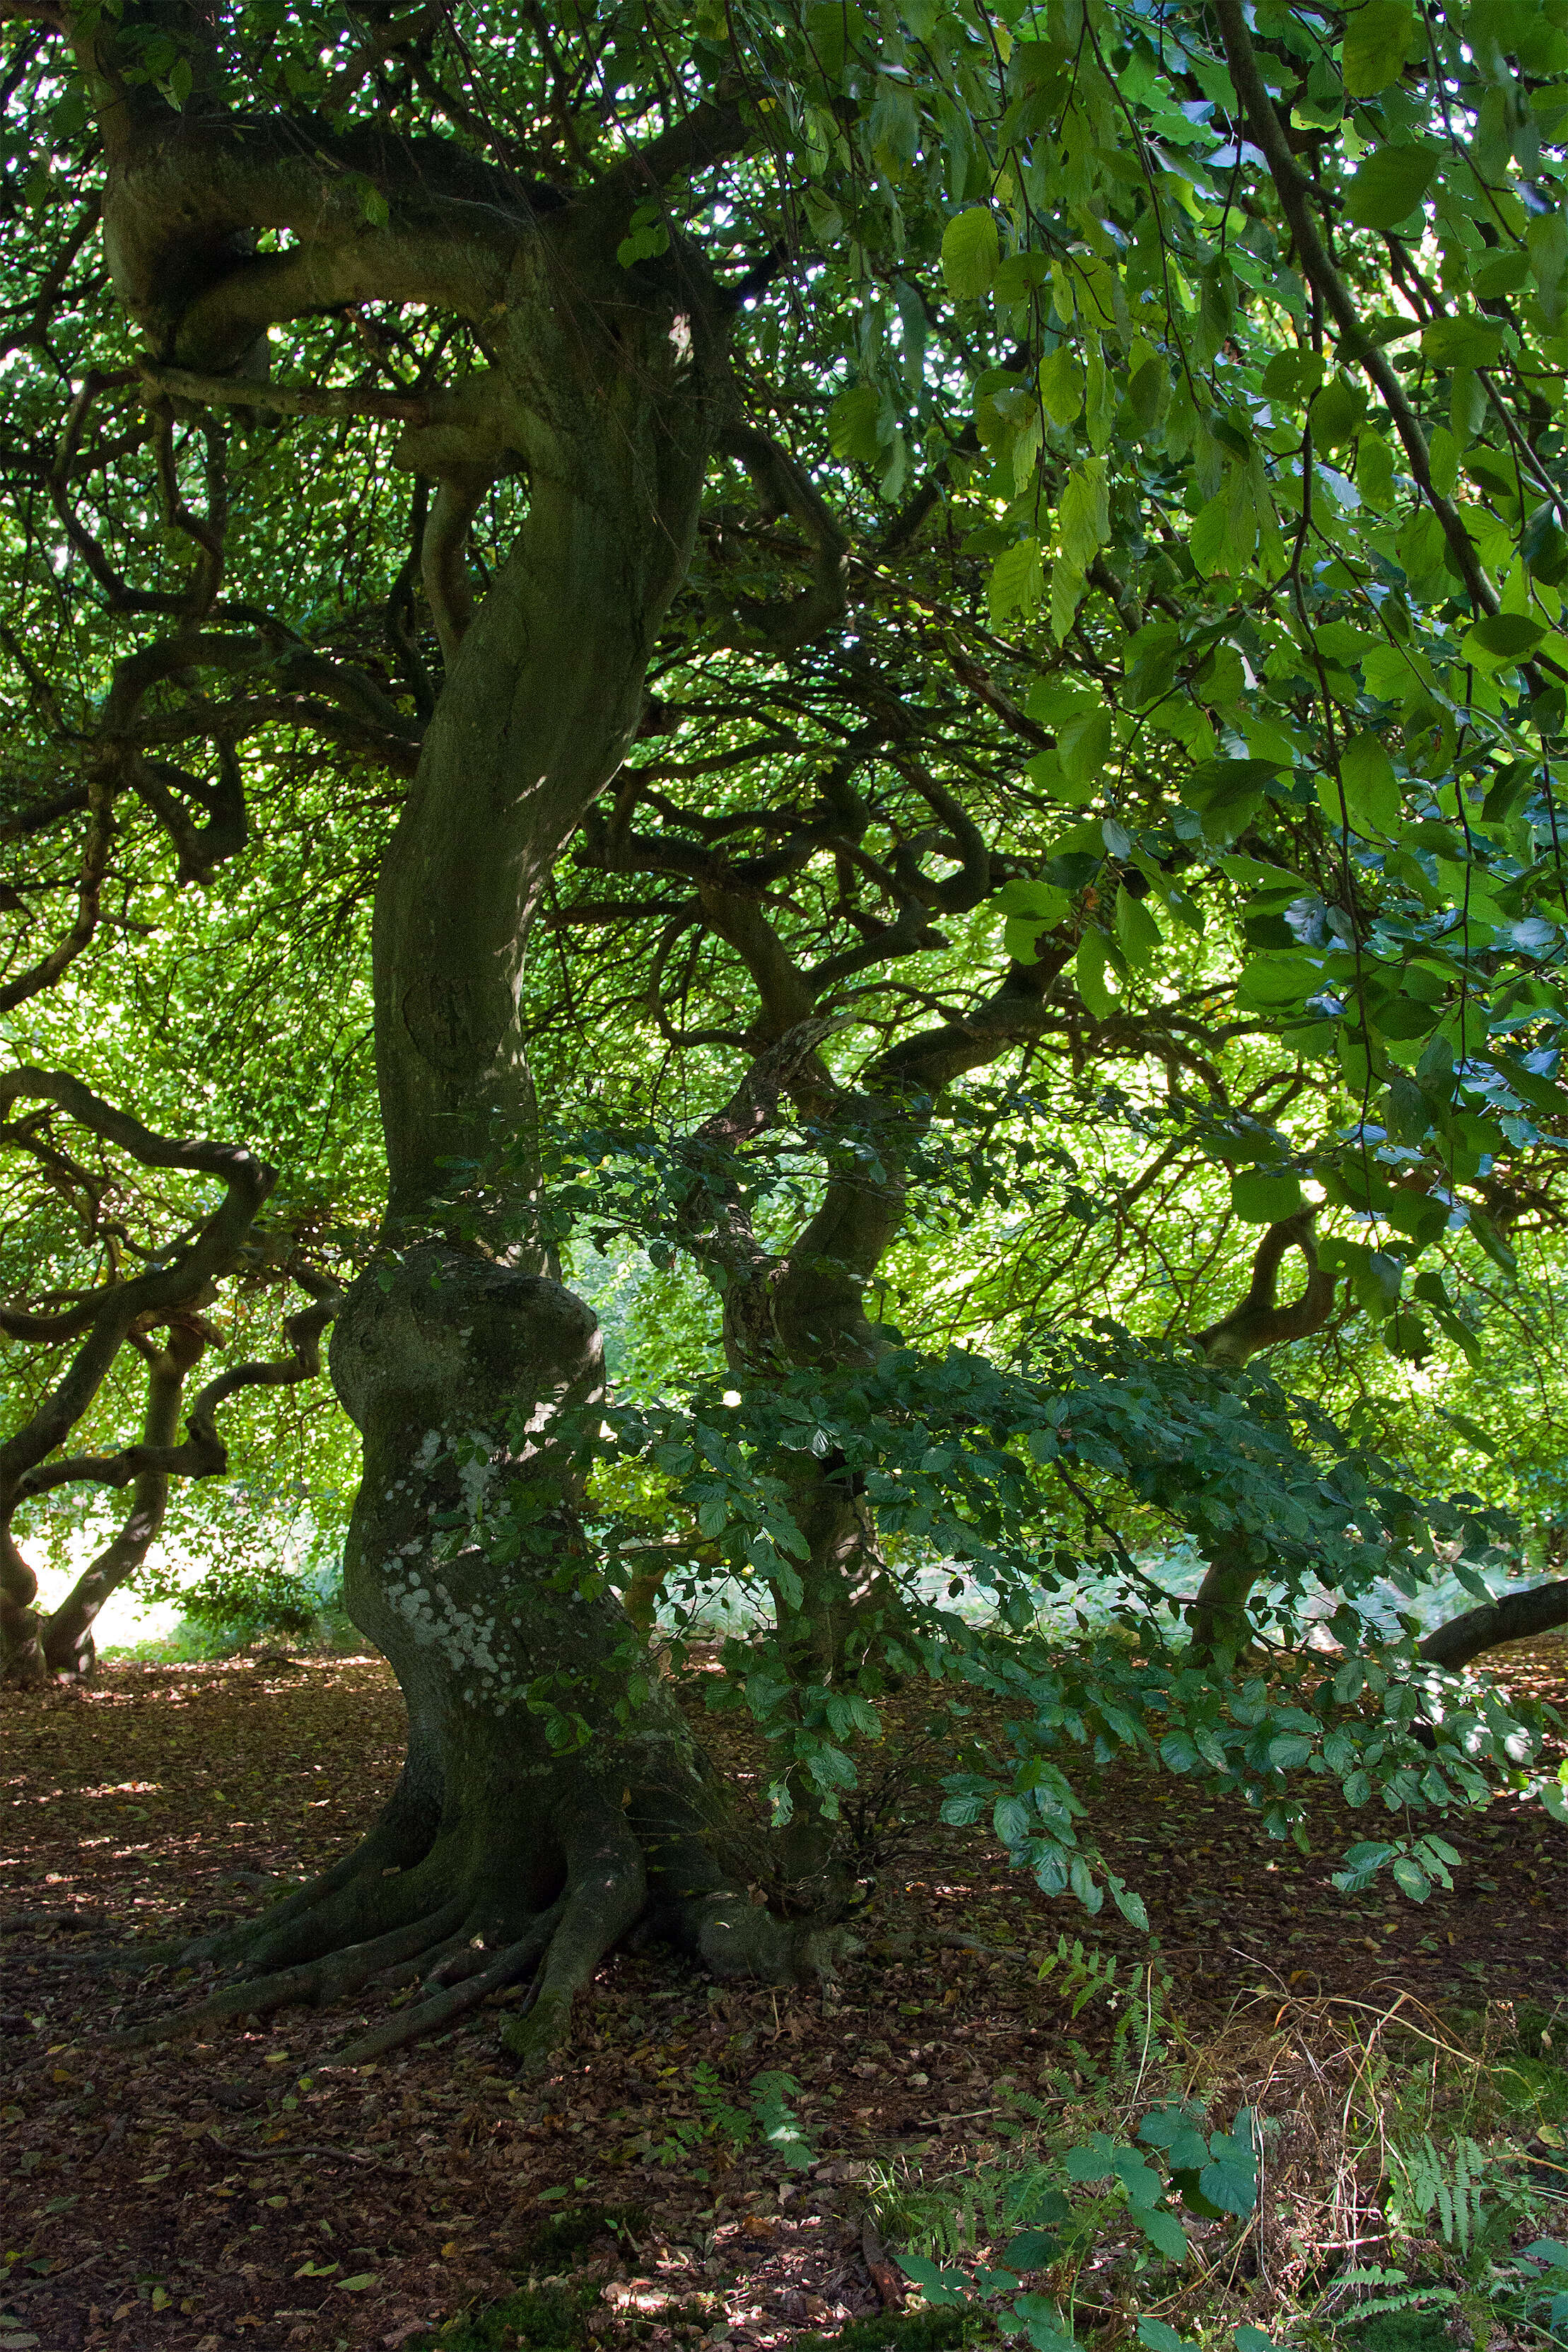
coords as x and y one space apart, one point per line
1296 202
1256 1321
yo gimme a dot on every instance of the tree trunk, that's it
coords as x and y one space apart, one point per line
68 1637
21 1627
552 1796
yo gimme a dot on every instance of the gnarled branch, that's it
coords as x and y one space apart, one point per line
103 1321
1255 1322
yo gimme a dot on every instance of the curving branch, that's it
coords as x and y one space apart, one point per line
714 1222
279 399
1256 1321
98 795
1513 1617
1216 1614
444 552
67 1638
167 1289
201 1454
166 788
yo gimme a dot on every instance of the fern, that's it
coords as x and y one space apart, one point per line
1425 2182
959 2215
1084 1975
1396 2292
719 2117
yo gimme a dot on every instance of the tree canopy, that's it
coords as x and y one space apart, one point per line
903 671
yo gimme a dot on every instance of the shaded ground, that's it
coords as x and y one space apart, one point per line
242 2190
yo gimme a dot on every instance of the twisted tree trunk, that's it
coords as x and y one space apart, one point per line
552 1796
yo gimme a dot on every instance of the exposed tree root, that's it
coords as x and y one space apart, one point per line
421 2017
329 1978
459 1952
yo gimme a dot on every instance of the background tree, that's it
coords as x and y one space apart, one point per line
781 689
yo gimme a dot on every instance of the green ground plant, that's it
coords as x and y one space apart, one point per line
1143 2196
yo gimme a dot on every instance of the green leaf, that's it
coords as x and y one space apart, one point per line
1507 636
1209 538
937 2285
1129 1903
972 249
1061 385
1165 2233
1227 793
1039 916
1389 183
1089 969
1018 580
1230 2181
1092 2160
1376 36
1499 273
1263 1199
1031 2249
1411 1879
1279 980
1185 2182
1337 412
1084 515
1138 2177
1371 786
1159 2335
1461 343
1083 746
1136 930
852 424
358 2283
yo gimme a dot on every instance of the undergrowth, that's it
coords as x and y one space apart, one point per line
1323 2173
1320 2174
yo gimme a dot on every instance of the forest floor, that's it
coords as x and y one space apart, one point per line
241 2189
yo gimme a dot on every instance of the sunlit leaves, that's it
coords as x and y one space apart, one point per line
970 252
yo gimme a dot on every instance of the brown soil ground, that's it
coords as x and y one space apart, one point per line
240 2189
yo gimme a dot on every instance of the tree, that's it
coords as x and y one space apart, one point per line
743 705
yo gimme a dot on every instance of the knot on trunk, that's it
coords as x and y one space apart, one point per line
434 1337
